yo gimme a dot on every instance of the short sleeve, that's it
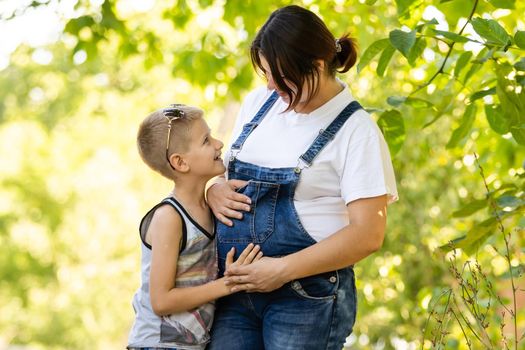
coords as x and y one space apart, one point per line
367 170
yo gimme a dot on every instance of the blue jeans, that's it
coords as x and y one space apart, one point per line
311 313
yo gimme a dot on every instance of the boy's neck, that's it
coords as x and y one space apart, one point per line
190 192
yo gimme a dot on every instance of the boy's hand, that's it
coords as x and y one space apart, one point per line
250 254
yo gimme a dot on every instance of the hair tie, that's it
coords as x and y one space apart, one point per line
338 47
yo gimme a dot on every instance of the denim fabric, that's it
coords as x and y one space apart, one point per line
316 312
328 134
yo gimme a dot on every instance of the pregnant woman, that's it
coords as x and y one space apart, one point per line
308 179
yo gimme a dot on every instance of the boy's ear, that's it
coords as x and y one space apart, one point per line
179 163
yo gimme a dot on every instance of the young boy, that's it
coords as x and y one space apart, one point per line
175 304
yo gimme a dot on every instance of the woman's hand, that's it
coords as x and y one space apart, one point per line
225 202
264 275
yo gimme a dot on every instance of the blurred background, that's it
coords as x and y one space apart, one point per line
444 79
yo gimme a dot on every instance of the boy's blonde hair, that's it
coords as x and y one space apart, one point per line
153 136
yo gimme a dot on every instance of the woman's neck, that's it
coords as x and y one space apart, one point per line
329 87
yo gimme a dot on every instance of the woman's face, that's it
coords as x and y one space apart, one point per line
273 86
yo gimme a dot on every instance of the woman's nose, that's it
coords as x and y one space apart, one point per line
270 84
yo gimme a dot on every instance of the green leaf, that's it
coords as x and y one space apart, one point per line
462 62
465 126
392 125
452 36
402 6
482 93
520 65
396 101
496 119
477 235
416 51
473 70
403 41
491 30
519 39
415 102
375 48
509 201
518 132
512 104
384 59
470 208
503 4
370 2
418 102
74 26
432 22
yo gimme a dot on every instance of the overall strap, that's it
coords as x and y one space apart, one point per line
329 133
249 127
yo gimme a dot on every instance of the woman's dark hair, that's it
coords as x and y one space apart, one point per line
292 40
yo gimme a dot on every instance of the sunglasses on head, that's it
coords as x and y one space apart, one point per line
172 113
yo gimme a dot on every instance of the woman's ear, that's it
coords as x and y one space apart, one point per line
320 64
179 163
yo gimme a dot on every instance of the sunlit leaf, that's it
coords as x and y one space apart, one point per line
396 101
470 208
462 61
497 120
403 41
403 5
509 201
465 126
452 36
518 132
519 39
416 51
478 235
473 70
520 65
374 49
503 4
482 93
384 59
491 30
392 125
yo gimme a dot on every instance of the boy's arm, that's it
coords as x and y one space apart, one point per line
165 232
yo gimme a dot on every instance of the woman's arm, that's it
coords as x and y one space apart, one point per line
165 232
225 202
363 236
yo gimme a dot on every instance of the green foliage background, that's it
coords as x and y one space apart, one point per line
73 187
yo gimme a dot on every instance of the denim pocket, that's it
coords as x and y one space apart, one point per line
262 215
257 224
318 287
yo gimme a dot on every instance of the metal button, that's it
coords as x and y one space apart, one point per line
332 279
297 170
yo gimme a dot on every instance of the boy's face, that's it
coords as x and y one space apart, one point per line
204 153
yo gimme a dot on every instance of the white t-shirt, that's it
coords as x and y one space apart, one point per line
355 164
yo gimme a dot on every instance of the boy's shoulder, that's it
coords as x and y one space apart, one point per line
166 216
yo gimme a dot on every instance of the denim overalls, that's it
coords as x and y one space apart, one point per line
315 312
